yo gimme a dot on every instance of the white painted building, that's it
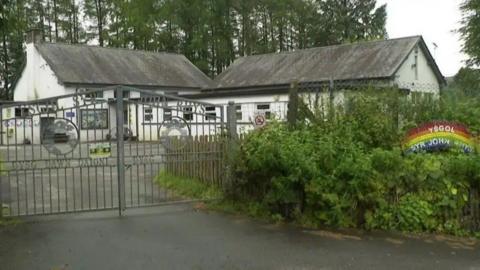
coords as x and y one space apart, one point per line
257 84
53 70
260 83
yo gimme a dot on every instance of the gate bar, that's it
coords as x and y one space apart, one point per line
120 152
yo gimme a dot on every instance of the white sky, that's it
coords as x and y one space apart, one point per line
435 20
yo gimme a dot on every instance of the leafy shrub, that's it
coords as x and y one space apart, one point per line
412 213
350 171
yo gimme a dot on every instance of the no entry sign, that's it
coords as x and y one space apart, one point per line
259 121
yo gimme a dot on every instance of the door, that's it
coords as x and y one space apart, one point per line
45 132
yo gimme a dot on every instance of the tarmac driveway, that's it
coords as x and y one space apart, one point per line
179 237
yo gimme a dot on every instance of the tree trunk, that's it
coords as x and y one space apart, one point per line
55 19
49 19
5 63
99 10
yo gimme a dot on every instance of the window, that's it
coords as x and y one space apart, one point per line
238 110
416 97
94 119
167 114
265 110
148 114
416 64
94 95
47 110
429 97
188 113
22 112
210 113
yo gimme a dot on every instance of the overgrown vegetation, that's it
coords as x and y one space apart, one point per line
213 197
5 222
188 188
346 168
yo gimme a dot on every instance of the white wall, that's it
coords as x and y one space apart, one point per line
16 130
426 81
37 80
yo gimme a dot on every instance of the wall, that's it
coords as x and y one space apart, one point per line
426 81
37 80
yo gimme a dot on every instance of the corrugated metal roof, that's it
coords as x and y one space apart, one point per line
358 61
81 64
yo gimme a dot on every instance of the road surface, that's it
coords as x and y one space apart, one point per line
180 237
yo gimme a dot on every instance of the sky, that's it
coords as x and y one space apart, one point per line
435 20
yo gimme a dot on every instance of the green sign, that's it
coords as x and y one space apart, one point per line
99 150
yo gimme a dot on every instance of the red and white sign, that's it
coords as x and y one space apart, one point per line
259 121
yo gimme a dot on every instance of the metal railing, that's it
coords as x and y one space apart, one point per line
77 152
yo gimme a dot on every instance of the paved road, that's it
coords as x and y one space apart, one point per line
178 237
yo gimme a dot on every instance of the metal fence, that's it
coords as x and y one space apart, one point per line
98 150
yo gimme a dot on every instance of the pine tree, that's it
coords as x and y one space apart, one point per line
211 33
470 30
97 12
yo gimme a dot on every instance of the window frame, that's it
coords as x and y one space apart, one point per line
83 111
266 112
238 111
210 115
167 114
149 114
187 113
24 113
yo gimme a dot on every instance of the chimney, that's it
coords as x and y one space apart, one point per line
34 36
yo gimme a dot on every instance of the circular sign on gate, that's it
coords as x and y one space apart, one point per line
259 121
60 136
174 133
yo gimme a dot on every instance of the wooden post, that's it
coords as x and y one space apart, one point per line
232 120
292 113
232 141
331 99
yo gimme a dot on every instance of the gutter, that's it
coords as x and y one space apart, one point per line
280 88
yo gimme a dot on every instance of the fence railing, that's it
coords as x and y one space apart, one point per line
198 157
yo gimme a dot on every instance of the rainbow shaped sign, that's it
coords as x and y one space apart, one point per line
438 136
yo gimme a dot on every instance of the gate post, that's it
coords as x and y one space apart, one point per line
232 120
231 145
120 151
1 180
292 113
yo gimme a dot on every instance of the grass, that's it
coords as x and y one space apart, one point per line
216 201
189 188
6 222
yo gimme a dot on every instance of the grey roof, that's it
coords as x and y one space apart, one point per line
81 64
358 61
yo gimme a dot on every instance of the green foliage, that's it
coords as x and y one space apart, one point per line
188 188
350 170
211 34
6 222
467 81
470 30
412 213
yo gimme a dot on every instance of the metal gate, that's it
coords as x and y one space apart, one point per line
97 150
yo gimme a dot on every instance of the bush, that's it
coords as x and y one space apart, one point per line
350 171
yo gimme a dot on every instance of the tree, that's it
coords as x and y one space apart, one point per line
470 30
12 22
467 81
210 33
352 20
97 12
